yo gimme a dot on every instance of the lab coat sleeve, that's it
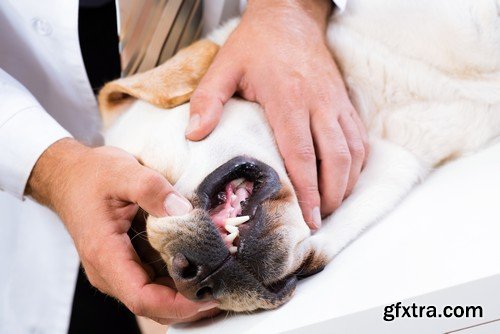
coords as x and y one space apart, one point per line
26 131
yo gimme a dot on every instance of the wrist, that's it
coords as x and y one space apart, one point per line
46 183
318 10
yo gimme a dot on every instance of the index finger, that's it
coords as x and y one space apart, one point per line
207 102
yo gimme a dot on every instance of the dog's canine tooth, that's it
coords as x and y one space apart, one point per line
230 237
236 220
233 249
231 228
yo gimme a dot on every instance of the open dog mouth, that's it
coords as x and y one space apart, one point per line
233 194
227 215
235 199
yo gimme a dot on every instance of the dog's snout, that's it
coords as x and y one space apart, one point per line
191 278
184 268
205 293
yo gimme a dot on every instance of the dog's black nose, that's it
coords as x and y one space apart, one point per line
191 278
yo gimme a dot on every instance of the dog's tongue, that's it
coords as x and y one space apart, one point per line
236 192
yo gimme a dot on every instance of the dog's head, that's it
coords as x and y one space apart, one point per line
245 242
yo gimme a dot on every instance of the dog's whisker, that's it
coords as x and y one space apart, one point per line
155 261
140 235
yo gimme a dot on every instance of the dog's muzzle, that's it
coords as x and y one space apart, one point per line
232 195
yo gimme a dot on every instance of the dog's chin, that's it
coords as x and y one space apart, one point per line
269 297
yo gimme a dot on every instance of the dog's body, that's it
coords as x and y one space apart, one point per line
425 78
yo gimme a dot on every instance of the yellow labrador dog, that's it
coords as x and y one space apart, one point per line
425 77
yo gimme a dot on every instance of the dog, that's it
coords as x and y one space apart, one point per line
425 78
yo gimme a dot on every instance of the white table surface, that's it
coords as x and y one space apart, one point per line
446 232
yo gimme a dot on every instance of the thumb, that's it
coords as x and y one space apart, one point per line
207 102
153 193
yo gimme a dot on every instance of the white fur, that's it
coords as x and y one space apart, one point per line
389 175
424 75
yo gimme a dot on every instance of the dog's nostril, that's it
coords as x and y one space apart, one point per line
204 293
184 268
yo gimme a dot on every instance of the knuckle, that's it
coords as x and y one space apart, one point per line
150 183
366 142
295 89
327 128
324 100
90 253
136 307
342 155
357 150
349 109
308 194
345 108
291 112
330 205
331 201
162 321
311 189
94 282
305 153
348 191
178 313
295 84
366 146
200 94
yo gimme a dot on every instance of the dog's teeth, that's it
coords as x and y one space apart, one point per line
230 237
233 249
231 228
237 182
221 197
236 220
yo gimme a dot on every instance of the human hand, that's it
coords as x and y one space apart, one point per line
96 192
278 57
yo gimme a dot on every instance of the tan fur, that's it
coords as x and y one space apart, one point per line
166 86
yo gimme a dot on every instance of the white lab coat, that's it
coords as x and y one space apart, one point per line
45 95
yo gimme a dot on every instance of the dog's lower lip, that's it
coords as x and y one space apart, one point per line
278 286
282 290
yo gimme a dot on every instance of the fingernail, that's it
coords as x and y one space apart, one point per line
316 216
208 306
194 123
177 206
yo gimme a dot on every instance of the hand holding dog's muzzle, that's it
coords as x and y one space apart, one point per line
278 57
97 192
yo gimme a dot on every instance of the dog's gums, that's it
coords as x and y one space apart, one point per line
227 215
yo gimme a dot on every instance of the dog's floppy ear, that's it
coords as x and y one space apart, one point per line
165 86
